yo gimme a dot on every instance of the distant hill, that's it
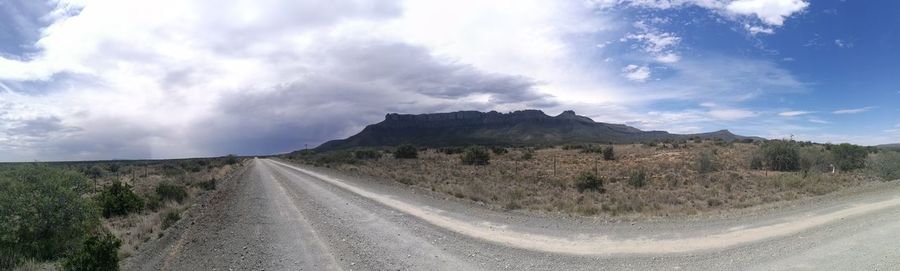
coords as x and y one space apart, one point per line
527 127
895 146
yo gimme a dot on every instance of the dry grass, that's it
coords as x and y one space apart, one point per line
674 184
137 229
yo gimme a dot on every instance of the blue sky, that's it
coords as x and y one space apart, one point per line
105 79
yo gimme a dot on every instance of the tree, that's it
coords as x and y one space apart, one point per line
849 157
781 155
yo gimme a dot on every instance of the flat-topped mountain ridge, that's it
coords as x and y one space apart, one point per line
518 128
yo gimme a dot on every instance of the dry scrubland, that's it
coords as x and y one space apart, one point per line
88 215
657 179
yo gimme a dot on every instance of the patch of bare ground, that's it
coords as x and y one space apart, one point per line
644 180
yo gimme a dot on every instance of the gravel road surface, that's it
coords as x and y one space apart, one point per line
278 216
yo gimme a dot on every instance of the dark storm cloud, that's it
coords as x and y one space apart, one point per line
413 69
355 86
39 127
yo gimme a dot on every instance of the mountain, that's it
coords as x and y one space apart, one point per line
895 146
526 127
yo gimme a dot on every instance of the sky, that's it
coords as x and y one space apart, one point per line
133 79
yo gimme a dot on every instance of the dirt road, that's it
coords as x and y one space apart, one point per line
279 216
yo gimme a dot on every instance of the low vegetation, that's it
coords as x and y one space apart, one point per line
88 215
475 156
665 178
117 199
406 152
97 253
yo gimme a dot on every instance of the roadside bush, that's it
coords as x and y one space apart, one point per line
812 160
475 156
153 202
336 158
756 162
781 155
118 199
573 147
849 156
591 149
170 218
609 154
499 150
114 168
406 151
167 191
886 165
638 179
527 154
451 150
367 154
208 185
706 162
97 253
94 172
43 215
231 159
588 181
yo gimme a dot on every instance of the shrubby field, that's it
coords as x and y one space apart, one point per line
88 215
653 179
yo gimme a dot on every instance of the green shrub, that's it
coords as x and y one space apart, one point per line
208 185
706 162
591 149
170 218
114 168
451 150
337 157
886 165
756 162
499 150
94 172
153 202
638 179
573 147
118 199
849 156
527 154
588 181
781 155
367 154
97 253
609 154
43 215
231 159
167 191
475 156
406 151
812 160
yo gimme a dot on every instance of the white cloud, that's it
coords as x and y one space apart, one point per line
819 121
731 114
636 73
854 110
794 113
668 58
771 12
753 29
843 44
768 12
